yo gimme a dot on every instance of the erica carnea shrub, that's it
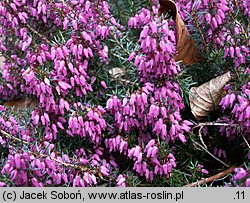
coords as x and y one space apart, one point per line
240 178
111 100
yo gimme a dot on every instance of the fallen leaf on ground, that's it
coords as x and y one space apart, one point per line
23 103
205 98
188 53
117 72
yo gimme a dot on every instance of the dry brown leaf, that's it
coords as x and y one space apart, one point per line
187 51
205 98
23 103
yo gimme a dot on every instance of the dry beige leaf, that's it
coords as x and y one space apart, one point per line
23 103
117 72
1 61
188 53
205 98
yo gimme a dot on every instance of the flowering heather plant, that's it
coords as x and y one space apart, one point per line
223 30
240 178
91 126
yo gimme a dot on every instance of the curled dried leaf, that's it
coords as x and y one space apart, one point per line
23 103
188 53
205 98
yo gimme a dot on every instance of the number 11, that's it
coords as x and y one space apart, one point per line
240 195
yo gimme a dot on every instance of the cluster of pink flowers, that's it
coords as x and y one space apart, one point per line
224 28
241 178
156 105
240 111
58 53
221 32
29 169
92 124
48 54
28 166
64 64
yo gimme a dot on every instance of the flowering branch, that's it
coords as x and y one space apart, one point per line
13 138
213 124
206 150
212 178
38 34
81 168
